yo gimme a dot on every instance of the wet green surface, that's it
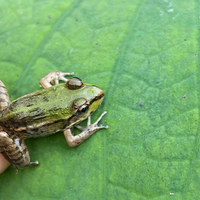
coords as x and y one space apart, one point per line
145 56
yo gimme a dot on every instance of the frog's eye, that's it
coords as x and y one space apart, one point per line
83 109
74 83
80 106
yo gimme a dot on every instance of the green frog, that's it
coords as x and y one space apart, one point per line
57 107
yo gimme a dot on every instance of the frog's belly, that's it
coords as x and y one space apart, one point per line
28 128
40 130
46 128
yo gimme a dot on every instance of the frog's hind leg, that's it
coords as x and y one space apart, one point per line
4 97
15 151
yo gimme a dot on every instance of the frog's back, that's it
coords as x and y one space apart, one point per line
38 108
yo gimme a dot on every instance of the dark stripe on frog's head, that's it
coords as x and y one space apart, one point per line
97 98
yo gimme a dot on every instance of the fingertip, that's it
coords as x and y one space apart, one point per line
4 164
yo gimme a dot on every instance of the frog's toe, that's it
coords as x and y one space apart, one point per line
15 168
34 163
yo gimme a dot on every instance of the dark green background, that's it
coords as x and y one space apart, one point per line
145 55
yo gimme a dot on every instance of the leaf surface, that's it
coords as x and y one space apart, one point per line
144 54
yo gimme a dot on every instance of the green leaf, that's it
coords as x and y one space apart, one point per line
145 55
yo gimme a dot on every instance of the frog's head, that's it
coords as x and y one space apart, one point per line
86 101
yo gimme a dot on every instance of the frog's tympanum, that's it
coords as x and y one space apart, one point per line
58 107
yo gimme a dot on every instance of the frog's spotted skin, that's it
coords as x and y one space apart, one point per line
55 108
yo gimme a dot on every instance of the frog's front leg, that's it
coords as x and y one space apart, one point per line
54 77
15 151
87 131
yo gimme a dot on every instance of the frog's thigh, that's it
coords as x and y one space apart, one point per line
15 151
4 97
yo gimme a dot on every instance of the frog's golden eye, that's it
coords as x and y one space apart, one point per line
74 83
80 106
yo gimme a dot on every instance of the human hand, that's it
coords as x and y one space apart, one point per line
4 164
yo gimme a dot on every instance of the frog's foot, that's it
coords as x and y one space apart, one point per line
15 151
34 163
54 77
15 168
92 127
86 132
30 164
